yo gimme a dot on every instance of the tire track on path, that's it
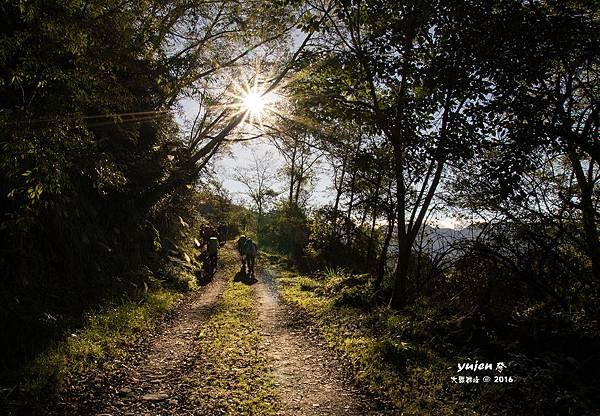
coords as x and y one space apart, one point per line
156 385
311 379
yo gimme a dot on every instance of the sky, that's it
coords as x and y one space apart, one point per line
240 156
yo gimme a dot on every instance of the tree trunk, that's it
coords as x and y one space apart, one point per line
404 248
299 180
338 196
398 298
363 219
384 251
371 240
292 177
588 214
371 245
259 223
350 205
352 192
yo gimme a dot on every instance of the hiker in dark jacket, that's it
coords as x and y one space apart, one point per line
250 250
223 230
241 243
212 248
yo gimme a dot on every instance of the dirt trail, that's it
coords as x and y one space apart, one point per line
312 381
156 386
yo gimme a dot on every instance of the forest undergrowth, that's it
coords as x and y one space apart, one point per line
411 356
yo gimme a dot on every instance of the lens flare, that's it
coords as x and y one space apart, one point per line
254 103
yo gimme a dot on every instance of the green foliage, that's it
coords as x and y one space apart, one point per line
382 356
513 267
106 335
97 197
286 230
336 242
409 356
86 133
531 174
350 290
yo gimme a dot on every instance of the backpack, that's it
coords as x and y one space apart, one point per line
213 245
241 243
250 248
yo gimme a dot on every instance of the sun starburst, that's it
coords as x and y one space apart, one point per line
254 103
257 103
255 97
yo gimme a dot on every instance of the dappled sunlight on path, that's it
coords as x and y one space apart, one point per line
311 379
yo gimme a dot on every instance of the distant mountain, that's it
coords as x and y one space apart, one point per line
438 241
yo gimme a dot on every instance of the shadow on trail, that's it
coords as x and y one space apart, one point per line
267 276
203 275
203 279
300 359
242 276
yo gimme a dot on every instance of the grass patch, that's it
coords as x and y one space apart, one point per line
414 378
105 336
409 356
233 377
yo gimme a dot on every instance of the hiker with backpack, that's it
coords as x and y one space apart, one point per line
212 250
240 247
250 250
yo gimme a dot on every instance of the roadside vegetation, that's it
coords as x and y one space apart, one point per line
90 352
409 356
